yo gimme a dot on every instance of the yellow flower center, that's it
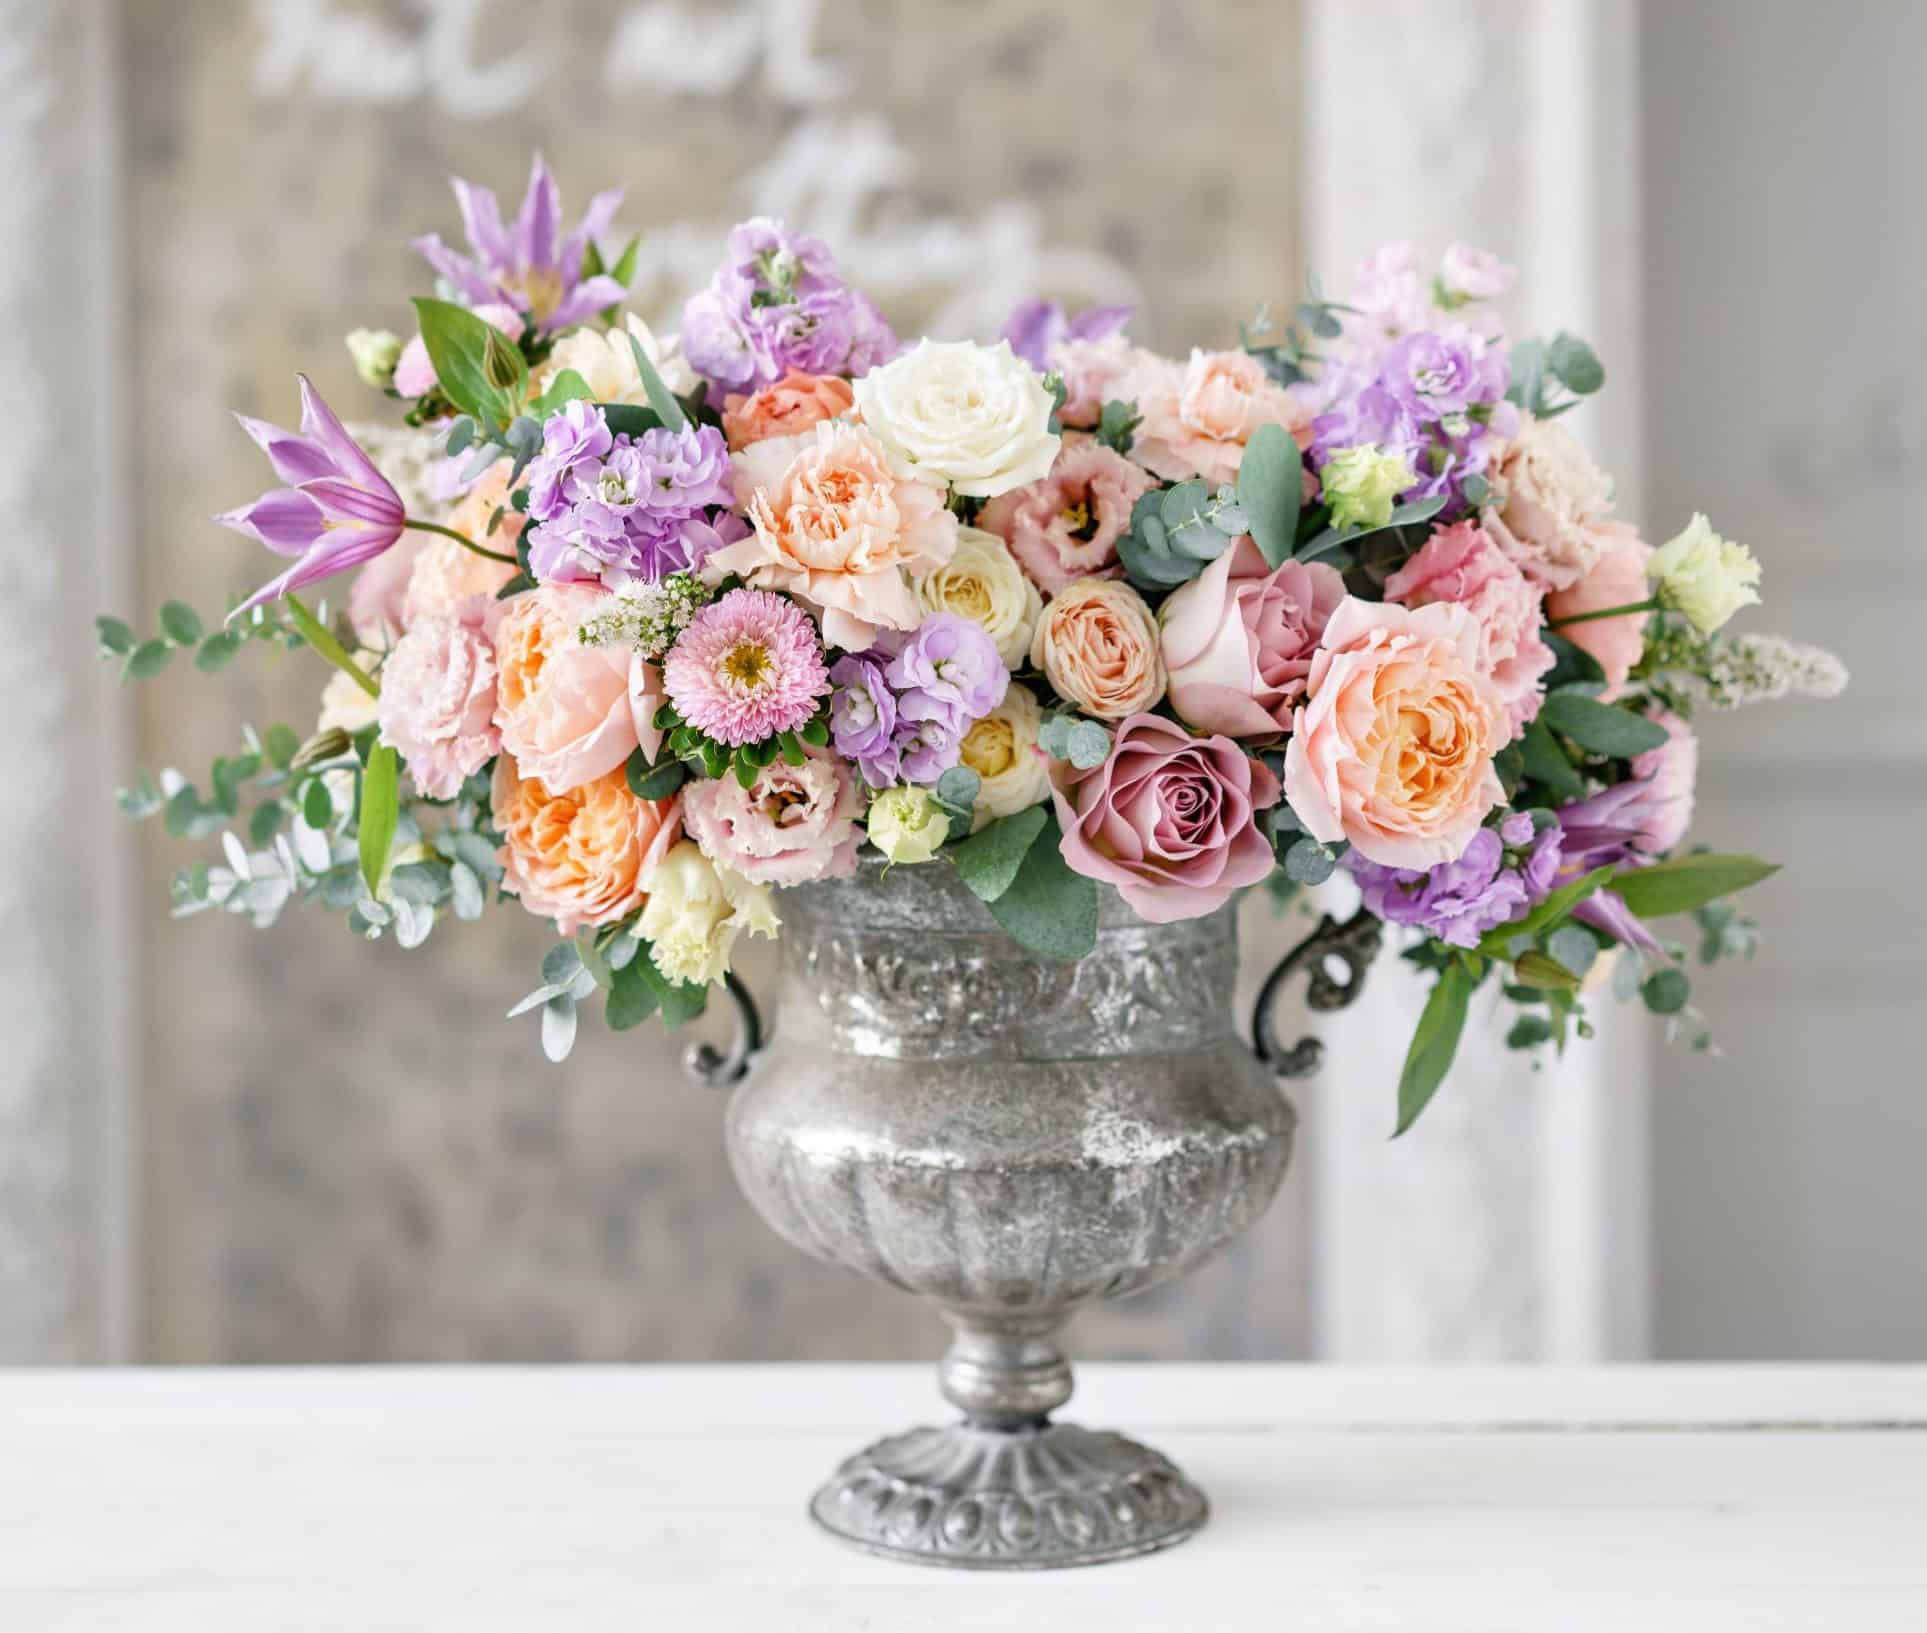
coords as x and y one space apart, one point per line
748 664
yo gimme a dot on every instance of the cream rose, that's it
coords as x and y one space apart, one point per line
1393 748
695 912
982 582
952 412
608 366
1098 645
1013 772
1549 494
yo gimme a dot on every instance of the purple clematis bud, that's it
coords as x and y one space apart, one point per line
337 511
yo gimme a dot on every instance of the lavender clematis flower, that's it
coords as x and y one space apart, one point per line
1036 328
337 511
533 266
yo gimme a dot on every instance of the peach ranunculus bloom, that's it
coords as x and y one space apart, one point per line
1199 416
445 575
1067 525
1392 750
1548 494
836 527
1097 644
1617 579
437 704
568 712
1463 565
1239 638
786 408
578 857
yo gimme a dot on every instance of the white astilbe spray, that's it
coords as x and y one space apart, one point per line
1764 669
647 617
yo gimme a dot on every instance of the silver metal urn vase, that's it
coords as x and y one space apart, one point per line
1010 1137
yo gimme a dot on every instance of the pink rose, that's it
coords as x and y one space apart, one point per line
567 711
1548 495
795 823
437 704
1238 640
1198 418
1462 565
1668 773
1169 818
1067 526
1617 579
1393 749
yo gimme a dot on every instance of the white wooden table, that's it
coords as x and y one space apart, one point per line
670 1500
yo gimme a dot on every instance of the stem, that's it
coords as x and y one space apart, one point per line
315 633
460 538
1649 605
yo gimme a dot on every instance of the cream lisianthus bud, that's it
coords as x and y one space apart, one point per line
1704 576
982 582
907 824
1362 483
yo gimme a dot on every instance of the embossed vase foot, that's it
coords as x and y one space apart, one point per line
1038 1498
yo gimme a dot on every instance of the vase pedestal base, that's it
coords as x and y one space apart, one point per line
1038 1497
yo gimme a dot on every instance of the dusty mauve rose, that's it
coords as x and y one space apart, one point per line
1198 417
565 710
795 823
836 527
1549 494
1461 564
1667 773
1393 748
788 408
1168 818
445 575
1617 579
578 857
1067 525
437 704
1238 640
1097 644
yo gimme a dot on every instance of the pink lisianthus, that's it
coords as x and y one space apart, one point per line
1067 526
1617 579
1393 748
1461 564
1197 417
1667 775
1238 640
795 823
437 704
1168 818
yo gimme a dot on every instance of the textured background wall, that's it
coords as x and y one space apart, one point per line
349 1154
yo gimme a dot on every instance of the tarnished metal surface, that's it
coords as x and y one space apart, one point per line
1009 1138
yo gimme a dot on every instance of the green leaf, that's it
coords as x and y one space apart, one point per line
1575 664
147 660
317 804
668 410
1575 365
1666 991
1549 913
1600 727
1688 882
678 1001
217 651
318 636
630 419
281 745
481 371
632 997
1434 1042
180 623
116 639
1048 909
624 271
989 860
1270 487
380 812
1547 765
1528 1032
566 387
265 823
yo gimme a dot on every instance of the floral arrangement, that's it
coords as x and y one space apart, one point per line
684 621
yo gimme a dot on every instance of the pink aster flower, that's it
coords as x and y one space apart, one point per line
747 667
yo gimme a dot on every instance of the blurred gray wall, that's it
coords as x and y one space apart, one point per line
1786 249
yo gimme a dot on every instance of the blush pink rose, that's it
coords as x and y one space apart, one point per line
1393 748
579 857
1668 774
786 408
568 712
1461 564
1617 579
795 823
1168 818
1067 526
1238 640
437 704
1197 418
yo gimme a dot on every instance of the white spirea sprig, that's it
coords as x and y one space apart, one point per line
647 617
1764 669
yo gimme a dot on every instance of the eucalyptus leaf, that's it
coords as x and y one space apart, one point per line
1308 862
1575 365
988 861
1573 948
632 997
465 891
116 639
180 623
1666 991
558 1027
1048 909
147 660
1270 489
658 782
1087 745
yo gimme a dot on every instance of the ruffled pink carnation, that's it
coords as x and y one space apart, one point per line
795 823
1067 526
437 705
747 667
1198 417
1463 565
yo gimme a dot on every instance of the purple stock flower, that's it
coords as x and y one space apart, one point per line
1036 328
1600 830
337 511
930 744
949 669
778 303
863 718
532 266
1503 872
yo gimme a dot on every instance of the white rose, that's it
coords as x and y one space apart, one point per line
951 411
1704 576
608 366
1002 749
696 911
982 582
1549 494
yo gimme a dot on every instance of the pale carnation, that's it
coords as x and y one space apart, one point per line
696 911
1547 495
437 706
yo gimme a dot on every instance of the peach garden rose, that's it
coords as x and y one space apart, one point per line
1097 644
1198 416
788 408
577 856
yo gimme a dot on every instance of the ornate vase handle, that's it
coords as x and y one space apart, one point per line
1352 944
724 1068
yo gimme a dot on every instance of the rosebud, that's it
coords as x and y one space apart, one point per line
375 353
1706 577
